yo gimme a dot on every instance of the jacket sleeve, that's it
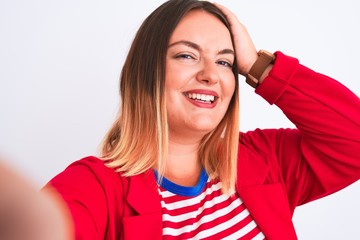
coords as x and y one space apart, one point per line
322 155
86 187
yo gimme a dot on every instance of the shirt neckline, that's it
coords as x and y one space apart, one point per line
183 190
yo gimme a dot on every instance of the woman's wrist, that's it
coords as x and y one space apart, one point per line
260 68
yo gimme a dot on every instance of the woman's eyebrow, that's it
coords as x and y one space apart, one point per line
186 43
227 51
198 48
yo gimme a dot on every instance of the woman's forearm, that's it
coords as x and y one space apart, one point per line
26 213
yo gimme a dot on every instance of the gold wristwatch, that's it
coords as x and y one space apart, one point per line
264 59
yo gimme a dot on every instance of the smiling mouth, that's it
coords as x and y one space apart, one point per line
203 98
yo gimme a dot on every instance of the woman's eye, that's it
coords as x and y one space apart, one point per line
225 63
184 56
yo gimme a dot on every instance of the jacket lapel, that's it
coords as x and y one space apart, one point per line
144 218
264 197
268 206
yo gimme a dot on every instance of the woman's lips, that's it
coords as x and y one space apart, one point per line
202 98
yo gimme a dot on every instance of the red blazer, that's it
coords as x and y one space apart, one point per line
278 169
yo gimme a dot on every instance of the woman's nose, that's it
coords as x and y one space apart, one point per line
208 73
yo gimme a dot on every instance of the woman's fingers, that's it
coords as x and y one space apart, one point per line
246 53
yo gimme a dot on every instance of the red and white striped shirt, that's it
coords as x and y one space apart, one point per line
204 212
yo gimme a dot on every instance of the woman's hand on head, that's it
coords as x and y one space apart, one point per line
245 50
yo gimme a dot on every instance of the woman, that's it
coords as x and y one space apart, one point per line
173 164
175 146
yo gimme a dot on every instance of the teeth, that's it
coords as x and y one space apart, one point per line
201 97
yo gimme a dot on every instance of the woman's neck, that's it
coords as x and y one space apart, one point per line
183 166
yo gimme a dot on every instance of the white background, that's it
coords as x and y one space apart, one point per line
60 61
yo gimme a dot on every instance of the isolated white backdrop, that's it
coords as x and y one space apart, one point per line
60 62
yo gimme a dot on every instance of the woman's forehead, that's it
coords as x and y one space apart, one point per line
202 28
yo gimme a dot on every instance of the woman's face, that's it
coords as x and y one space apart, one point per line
199 82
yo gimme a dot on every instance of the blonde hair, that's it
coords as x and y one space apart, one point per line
138 139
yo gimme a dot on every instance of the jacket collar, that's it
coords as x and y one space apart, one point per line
143 219
143 195
265 198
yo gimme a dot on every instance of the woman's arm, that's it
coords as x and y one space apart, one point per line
327 115
323 155
26 213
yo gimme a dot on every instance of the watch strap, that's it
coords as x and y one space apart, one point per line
258 68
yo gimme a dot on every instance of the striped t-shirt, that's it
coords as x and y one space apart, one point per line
204 212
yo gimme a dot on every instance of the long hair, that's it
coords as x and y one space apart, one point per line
138 139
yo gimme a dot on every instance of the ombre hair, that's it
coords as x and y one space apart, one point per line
138 139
